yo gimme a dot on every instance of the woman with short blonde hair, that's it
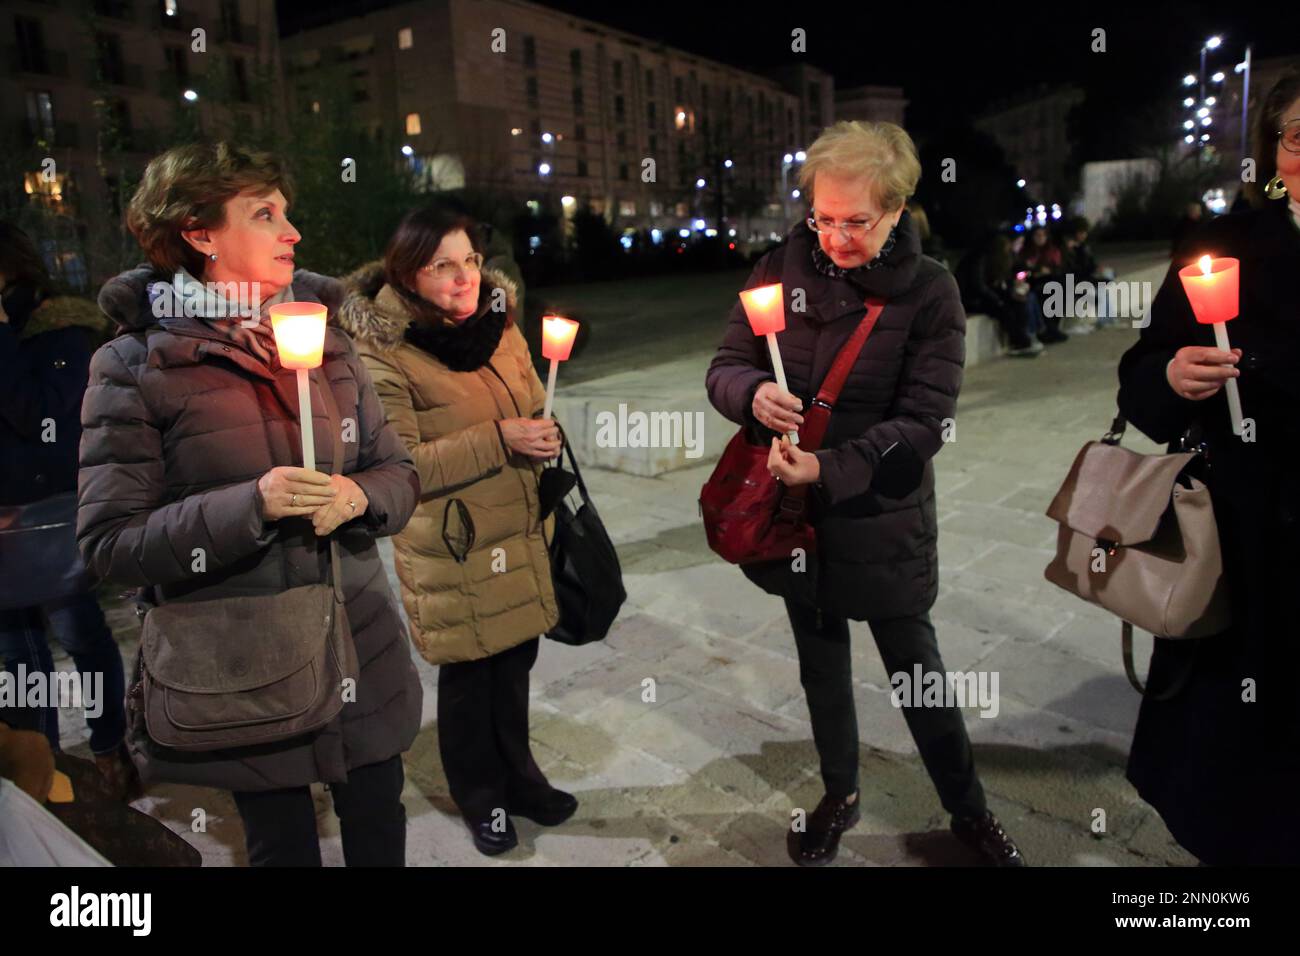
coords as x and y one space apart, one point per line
872 502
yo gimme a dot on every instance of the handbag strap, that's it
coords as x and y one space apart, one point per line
1130 670
791 505
848 354
818 417
336 434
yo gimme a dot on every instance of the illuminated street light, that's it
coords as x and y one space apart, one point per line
407 150
1189 80
544 169
190 95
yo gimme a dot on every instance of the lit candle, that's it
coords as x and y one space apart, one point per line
1212 288
557 342
299 329
765 309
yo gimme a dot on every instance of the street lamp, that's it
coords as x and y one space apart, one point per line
787 163
190 95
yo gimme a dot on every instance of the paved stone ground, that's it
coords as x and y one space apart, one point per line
710 770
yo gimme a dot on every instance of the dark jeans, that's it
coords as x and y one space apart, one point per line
825 670
78 624
483 731
280 825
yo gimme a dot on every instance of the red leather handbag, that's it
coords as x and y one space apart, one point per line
750 516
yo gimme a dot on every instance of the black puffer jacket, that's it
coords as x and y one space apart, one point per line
875 519
44 360
179 422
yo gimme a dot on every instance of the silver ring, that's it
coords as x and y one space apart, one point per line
293 501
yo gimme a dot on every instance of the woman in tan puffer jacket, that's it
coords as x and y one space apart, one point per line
439 336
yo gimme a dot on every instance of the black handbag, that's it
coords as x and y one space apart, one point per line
584 565
39 559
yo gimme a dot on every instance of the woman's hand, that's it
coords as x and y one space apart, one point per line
1197 372
349 502
287 492
535 438
777 408
789 464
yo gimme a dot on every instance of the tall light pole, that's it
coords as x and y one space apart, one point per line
1244 68
788 162
1211 44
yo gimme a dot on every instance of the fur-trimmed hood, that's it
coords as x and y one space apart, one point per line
374 313
66 311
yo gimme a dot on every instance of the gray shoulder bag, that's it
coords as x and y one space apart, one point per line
240 671
1137 536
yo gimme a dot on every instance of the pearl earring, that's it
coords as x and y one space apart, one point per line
212 256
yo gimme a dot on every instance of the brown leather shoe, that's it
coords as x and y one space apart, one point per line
984 834
120 775
819 843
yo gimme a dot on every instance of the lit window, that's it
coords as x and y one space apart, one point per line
680 119
315 106
412 124
405 38
626 208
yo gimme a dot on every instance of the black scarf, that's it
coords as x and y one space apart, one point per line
463 347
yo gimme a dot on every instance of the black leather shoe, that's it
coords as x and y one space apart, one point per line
491 842
984 834
550 807
819 843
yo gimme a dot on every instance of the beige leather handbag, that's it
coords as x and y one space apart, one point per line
1137 536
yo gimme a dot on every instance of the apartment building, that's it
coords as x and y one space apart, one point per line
90 89
512 95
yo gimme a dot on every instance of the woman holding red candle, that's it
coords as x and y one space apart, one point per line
439 334
1220 760
873 500
191 487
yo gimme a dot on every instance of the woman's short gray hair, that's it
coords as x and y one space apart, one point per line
881 153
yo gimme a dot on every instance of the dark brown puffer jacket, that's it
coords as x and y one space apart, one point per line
179 422
875 514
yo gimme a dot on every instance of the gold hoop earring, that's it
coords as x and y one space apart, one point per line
1275 188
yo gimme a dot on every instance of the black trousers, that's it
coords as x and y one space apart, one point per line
825 670
280 825
483 731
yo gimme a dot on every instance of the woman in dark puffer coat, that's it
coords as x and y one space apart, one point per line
873 498
190 445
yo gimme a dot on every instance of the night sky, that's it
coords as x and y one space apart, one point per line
950 61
